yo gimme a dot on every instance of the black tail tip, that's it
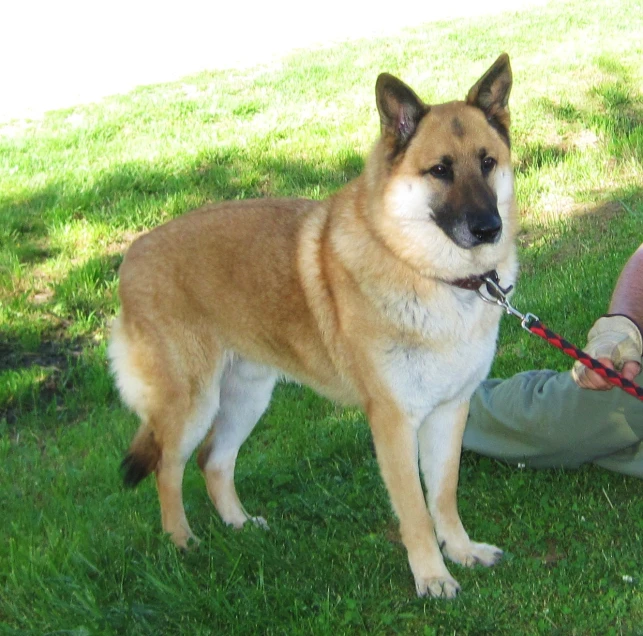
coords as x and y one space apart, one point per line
134 470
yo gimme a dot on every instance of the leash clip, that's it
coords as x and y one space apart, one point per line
498 296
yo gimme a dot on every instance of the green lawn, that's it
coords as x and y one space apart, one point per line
81 555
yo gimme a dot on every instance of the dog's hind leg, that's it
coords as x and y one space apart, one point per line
440 439
246 388
175 391
181 438
187 418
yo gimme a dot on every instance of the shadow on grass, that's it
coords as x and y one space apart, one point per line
535 156
57 380
120 196
621 101
51 351
615 114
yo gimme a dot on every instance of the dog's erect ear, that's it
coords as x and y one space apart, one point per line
491 94
400 110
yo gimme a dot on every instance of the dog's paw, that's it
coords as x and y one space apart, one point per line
471 553
184 540
240 521
259 522
443 587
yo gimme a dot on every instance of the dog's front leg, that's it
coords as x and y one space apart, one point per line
440 438
397 453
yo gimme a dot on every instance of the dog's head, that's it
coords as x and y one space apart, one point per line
445 170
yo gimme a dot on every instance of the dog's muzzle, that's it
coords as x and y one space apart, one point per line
485 228
470 226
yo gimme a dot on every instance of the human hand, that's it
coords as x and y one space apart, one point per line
616 342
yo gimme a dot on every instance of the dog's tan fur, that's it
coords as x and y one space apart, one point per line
352 296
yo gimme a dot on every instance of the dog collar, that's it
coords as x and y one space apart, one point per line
473 283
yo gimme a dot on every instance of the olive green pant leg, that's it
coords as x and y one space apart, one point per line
542 419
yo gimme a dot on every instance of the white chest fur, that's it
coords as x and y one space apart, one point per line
459 333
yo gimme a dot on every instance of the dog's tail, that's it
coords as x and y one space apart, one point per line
142 458
145 451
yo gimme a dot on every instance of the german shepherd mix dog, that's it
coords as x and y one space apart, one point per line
368 297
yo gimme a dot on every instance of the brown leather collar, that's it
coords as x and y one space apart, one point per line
473 283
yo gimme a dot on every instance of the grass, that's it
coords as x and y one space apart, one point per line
80 555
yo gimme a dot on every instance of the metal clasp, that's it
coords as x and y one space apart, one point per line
498 296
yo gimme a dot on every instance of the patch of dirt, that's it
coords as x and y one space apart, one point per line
122 244
54 357
50 354
553 555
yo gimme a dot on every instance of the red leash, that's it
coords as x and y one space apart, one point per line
532 324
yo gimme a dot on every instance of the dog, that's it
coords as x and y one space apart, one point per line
368 297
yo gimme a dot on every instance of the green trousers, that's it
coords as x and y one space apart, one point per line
543 420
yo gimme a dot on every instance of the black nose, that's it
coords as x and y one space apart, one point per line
486 227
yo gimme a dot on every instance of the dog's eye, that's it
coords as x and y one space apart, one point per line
439 171
488 164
